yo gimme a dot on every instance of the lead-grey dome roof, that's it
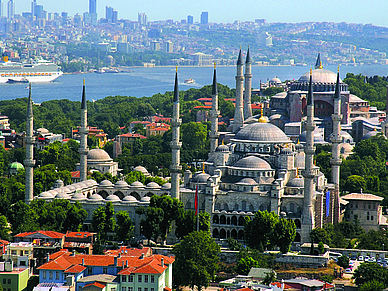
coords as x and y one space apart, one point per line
247 181
252 162
222 148
296 182
320 76
200 178
262 132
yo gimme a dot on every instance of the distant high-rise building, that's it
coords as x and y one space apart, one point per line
92 6
168 47
38 11
204 18
1 8
11 9
33 4
111 14
142 19
190 19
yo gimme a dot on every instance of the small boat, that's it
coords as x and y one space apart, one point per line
190 81
13 81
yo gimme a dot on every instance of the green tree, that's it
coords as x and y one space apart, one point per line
321 247
186 222
4 228
269 278
98 222
196 260
124 226
372 286
355 183
368 272
284 234
318 235
343 261
244 265
150 225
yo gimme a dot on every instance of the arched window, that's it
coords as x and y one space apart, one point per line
103 194
244 205
218 206
215 233
136 195
222 233
234 234
222 219
215 219
226 207
297 223
297 237
236 206
291 207
234 220
188 205
241 221
251 207
228 221
240 235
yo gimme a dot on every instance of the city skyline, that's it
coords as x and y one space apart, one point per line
300 11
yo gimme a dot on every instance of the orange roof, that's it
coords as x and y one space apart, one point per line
160 129
244 289
279 285
256 106
203 106
4 242
52 234
75 269
130 252
132 135
97 284
59 263
79 234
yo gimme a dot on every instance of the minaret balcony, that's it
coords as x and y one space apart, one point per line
336 162
175 168
29 163
29 140
176 122
83 151
175 145
83 130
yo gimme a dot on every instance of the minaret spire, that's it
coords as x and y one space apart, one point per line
29 162
335 156
83 148
238 112
318 63
175 144
309 187
214 113
248 87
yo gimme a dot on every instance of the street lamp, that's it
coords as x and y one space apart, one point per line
383 247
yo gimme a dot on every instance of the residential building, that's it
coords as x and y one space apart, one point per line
156 129
13 279
81 242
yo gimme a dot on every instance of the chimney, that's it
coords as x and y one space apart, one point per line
48 258
141 256
83 262
73 254
123 265
115 261
282 284
126 263
162 262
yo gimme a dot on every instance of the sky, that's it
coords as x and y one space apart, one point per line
351 11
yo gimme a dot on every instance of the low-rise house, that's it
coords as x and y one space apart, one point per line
13 279
81 242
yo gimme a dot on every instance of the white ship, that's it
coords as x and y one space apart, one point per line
41 71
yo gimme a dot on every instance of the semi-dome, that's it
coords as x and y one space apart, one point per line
121 184
98 155
252 162
96 197
247 181
262 132
296 182
106 183
137 184
140 169
345 137
112 198
222 148
16 166
153 185
370 134
200 178
78 196
166 186
129 199
45 195
319 76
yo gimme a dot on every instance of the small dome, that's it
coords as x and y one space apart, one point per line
91 182
129 198
345 137
222 148
318 137
200 178
98 155
78 196
296 182
275 81
368 135
71 187
121 184
252 162
42 130
96 197
299 146
137 184
166 186
106 183
45 195
247 181
16 166
140 169
145 199
112 198
262 132
81 185
62 195
286 151
153 185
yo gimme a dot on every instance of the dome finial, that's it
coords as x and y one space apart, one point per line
203 167
320 65
215 65
222 142
297 172
262 118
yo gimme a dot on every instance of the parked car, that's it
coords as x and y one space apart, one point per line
366 259
348 270
361 258
372 259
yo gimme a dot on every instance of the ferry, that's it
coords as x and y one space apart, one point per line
38 72
190 81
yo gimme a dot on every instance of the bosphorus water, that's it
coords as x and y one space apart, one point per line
149 81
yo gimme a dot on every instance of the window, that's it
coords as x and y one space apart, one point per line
50 275
13 253
4 281
90 270
146 279
371 218
9 281
152 279
130 279
139 289
26 252
123 288
124 279
130 288
105 270
152 289
57 275
44 274
139 278
145 289
23 263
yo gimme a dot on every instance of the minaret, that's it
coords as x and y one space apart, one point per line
309 188
29 162
318 63
214 113
238 112
83 148
248 87
175 144
335 156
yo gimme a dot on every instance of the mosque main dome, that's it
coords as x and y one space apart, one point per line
319 76
98 155
261 132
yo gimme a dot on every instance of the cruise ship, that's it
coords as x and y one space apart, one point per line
38 72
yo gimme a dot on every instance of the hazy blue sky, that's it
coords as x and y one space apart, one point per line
355 11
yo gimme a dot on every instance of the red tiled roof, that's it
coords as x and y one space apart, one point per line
204 99
52 234
4 242
75 174
130 252
132 135
59 263
202 106
167 289
244 289
97 284
279 285
75 269
256 106
78 234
